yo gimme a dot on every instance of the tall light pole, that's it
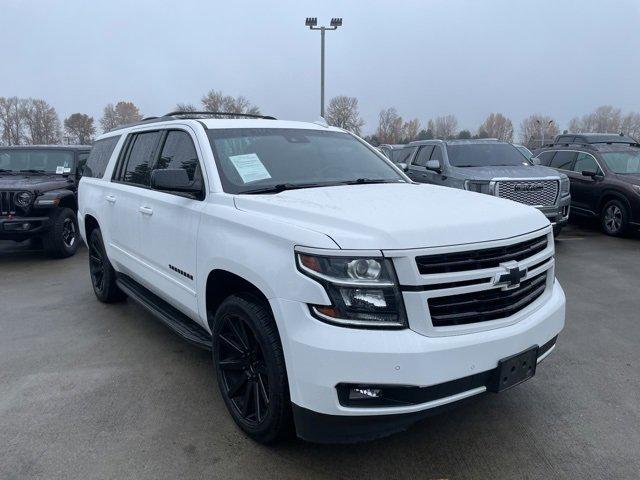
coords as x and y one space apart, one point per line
312 23
542 130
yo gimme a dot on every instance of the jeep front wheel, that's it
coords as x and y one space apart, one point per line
62 240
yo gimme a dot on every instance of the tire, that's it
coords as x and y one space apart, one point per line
103 276
250 368
614 218
63 239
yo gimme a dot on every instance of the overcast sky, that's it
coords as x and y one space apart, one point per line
426 58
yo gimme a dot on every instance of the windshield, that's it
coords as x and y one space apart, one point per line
624 161
36 160
484 154
525 151
255 159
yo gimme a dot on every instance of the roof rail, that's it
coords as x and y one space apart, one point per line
183 113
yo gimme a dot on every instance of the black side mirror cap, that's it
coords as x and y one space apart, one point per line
588 173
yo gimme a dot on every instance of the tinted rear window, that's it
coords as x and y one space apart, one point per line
99 157
484 154
563 160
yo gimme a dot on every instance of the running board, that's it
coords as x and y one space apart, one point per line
167 314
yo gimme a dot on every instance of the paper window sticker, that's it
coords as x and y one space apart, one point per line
249 167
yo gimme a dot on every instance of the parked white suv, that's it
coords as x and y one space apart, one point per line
337 296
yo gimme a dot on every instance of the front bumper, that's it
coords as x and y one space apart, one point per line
558 214
320 356
20 228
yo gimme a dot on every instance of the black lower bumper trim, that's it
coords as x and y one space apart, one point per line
321 428
39 225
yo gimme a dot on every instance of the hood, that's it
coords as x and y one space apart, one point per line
516 172
397 216
41 183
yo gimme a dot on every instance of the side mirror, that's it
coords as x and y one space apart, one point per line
402 166
174 180
433 165
587 173
535 160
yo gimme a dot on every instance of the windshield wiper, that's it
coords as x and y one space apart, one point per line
281 187
32 170
364 181
4 170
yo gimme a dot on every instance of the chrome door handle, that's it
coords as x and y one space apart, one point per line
110 199
146 210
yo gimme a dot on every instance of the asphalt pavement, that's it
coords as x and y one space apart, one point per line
105 391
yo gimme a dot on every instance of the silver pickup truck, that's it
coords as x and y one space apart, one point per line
492 167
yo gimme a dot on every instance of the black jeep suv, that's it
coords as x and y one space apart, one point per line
604 171
38 195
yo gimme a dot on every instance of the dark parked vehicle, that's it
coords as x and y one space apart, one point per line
492 167
604 171
396 153
38 195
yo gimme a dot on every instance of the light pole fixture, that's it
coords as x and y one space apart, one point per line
312 23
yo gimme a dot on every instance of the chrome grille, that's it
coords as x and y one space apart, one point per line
7 203
529 191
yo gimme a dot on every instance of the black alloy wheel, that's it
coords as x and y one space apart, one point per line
103 276
245 379
69 232
96 263
250 367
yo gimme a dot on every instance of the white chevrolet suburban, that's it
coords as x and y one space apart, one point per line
338 297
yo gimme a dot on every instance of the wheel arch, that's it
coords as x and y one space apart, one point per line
612 195
223 283
90 224
69 201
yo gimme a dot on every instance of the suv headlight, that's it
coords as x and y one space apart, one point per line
564 186
364 291
480 187
636 188
23 199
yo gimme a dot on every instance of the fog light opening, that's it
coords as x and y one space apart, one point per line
365 393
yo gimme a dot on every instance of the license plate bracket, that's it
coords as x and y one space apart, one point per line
514 370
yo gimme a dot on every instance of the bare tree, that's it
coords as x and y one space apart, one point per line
604 119
42 122
343 112
186 107
12 120
80 128
537 129
410 130
498 126
630 125
216 101
444 127
389 126
120 114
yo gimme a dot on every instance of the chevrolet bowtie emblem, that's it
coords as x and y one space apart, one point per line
511 278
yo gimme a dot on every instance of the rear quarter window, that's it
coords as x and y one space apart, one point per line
99 157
